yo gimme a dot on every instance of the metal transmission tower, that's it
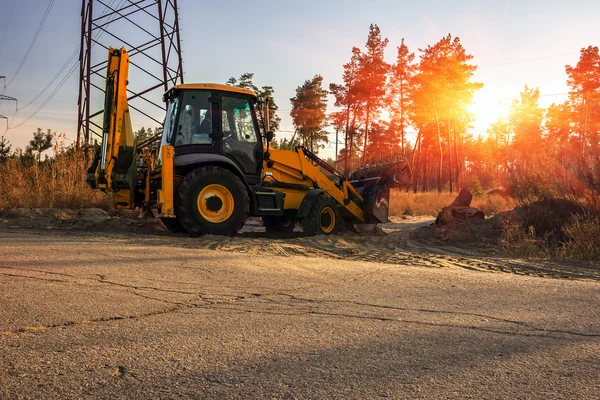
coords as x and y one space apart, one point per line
3 97
149 30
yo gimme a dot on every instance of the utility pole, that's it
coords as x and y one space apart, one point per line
158 48
337 131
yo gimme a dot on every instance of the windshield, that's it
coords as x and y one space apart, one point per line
170 120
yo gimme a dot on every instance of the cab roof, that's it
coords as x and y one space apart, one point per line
212 86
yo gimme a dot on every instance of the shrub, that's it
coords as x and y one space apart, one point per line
584 238
552 229
521 242
476 188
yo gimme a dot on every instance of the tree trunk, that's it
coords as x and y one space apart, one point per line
424 161
346 139
352 137
458 163
439 142
368 110
337 132
415 166
402 133
450 171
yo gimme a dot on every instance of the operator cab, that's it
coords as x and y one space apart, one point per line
213 119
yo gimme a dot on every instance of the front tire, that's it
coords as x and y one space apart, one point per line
212 200
323 218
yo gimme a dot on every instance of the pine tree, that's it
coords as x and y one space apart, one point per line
347 96
337 120
246 81
400 87
561 143
584 96
443 89
309 113
526 124
5 149
372 80
40 143
143 134
499 134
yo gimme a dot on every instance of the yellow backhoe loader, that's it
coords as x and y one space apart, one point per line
215 166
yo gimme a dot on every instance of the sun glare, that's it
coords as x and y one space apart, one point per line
487 111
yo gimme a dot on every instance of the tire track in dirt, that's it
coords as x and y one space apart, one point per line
390 244
395 249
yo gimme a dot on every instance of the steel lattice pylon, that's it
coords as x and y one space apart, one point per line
149 30
3 97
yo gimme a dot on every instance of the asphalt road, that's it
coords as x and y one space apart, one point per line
84 316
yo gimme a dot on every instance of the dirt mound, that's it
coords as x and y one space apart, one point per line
547 217
462 233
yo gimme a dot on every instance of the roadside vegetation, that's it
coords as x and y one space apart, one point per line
30 179
580 240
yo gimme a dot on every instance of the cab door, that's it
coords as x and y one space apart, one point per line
240 136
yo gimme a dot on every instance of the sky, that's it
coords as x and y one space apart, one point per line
284 43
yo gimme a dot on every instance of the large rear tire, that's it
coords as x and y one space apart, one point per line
212 200
279 224
323 218
173 225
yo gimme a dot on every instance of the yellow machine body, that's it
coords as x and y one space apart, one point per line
292 167
210 193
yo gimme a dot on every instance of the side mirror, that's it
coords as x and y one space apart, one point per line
269 136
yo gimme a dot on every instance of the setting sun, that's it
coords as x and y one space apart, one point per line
486 111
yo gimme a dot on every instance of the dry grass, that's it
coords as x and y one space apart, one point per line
584 235
55 183
524 243
431 203
582 240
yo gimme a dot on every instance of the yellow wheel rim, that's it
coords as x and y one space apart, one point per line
327 220
215 203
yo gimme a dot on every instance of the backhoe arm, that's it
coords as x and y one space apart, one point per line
114 167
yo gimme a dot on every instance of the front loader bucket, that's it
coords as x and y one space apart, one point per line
376 195
376 190
378 204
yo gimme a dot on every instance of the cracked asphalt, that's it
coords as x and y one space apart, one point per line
101 316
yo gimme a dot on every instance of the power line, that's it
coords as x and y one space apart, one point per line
527 60
64 66
35 36
62 82
60 85
553 94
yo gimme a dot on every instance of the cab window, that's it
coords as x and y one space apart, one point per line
195 126
240 139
